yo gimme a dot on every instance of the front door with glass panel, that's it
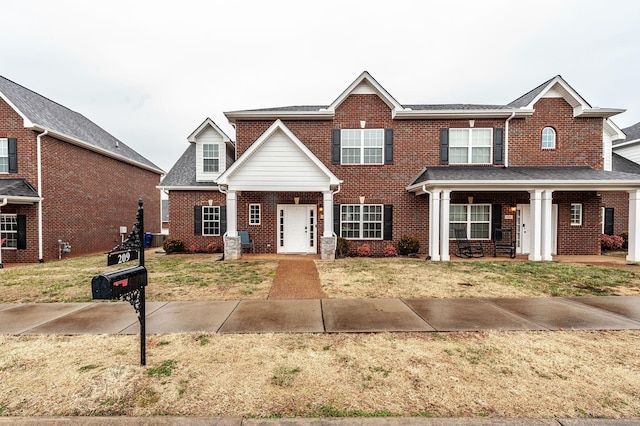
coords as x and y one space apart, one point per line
297 229
523 221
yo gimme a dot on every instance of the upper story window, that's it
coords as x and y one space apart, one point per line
548 138
470 146
362 146
210 158
4 155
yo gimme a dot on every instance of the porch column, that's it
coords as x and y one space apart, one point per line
547 226
535 200
232 214
444 225
633 239
327 205
434 225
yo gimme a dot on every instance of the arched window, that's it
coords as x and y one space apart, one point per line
548 138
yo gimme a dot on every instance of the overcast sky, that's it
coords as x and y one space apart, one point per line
149 72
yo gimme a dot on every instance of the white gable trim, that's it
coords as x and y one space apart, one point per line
357 87
227 178
208 123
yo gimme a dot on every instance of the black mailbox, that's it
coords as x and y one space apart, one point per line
112 285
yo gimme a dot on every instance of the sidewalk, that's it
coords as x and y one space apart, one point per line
326 316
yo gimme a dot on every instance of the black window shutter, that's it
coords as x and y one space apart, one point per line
496 218
388 146
335 146
22 232
336 219
223 219
13 155
387 232
197 220
608 220
444 146
498 146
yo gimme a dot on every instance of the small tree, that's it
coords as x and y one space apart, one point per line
173 245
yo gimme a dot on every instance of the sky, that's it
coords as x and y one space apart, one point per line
150 72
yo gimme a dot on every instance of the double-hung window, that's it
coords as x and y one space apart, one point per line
4 155
362 146
210 158
9 230
361 221
254 214
470 146
474 218
576 214
210 220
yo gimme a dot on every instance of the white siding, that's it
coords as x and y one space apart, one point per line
630 152
606 152
209 135
279 165
364 88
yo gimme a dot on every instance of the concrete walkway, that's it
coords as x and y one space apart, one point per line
326 316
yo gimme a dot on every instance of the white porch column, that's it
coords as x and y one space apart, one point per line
232 214
633 239
535 236
434 225
547 225
327 205
444 225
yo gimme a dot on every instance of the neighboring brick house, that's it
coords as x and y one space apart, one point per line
372 170
62 177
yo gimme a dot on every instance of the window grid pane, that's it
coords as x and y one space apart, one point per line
210 220
9 230
4 155
254 214
548 137
362 146
210 158
470 146
576 214
475 218
361 221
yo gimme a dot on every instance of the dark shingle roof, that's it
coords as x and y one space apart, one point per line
621 164
183 172
525 173
632 133
526 99
50 115
17 188
454 107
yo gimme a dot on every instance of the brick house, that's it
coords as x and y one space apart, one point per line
62 177
372 170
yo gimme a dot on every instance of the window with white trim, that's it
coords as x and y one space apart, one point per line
4 155
576 214
210 158
9 230
362 146
474 218
361 221
254 214
210 220
548 138
470 146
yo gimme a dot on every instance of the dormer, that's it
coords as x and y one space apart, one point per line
214 151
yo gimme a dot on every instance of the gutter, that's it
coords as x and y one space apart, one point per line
506 139
39 160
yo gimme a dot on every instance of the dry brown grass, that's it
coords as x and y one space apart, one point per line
495 374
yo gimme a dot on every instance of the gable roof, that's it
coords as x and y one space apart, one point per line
622 164
560 88
40 114
303 153
205 124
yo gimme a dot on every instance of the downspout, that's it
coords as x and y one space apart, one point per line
506 139
39 159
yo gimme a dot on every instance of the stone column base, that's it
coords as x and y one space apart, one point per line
327 248
232 248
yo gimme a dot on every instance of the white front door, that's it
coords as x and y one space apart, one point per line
297 228
523 219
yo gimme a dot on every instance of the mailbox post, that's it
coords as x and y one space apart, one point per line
127 284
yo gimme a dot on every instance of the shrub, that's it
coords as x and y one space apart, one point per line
194 248
408 244
213 248
611 242
625 237
364 250
390 251
342 247
173 245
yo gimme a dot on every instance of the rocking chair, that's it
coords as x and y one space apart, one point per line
503 241
467 248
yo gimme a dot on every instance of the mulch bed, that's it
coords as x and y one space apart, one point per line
296 279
